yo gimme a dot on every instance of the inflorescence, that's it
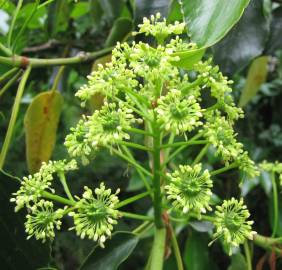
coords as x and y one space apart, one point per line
142 85
231 223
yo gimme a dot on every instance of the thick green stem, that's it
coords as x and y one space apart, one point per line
248 255
268 243
275 204
157 259
157 176
21 61
13 118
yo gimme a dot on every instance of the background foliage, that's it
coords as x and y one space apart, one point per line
250 53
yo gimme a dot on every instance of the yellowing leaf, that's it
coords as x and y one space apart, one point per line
41 122
256 77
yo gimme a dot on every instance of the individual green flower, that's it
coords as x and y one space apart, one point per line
95 214
189 189
42 220
32 186
108 80
160 29
77 143
178 113
231 223
220 133
108 125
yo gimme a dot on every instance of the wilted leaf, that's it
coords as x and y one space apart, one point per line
256 77
117 250
209 21
41 122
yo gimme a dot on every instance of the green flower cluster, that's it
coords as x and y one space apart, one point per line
93 217
211 78
106 127
42 220
32 186
145 92
220 133
189 189
231 223
96 215
159 29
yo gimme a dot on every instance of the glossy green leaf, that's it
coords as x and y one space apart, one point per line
196 252
120 30
209 21
188 58
256 77
117 250
41 122
244 42
238 262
